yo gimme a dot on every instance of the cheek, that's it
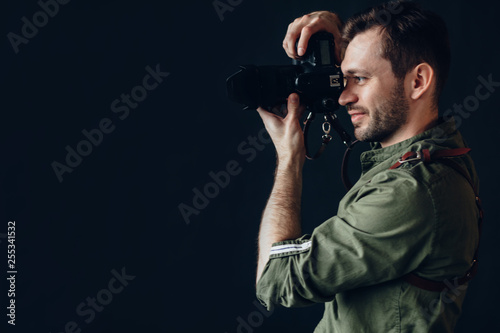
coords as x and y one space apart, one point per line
368 98
377 94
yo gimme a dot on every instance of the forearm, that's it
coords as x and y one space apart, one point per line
281 217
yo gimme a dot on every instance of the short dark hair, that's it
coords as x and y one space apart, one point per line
410 35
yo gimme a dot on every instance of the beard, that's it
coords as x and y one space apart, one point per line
386 118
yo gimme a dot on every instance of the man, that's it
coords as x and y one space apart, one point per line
405 227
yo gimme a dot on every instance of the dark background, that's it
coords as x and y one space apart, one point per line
119 208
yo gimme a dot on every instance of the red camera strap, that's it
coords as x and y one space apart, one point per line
444 157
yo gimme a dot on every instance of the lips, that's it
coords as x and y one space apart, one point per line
356 116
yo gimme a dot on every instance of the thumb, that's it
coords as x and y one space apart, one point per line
293 106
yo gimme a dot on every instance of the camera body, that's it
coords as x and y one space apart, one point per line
316 78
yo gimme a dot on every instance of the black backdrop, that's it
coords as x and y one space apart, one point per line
104 247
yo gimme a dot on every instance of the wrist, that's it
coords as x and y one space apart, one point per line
290 164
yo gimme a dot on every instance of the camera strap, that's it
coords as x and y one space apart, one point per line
325 138
442 156
330 121
445 157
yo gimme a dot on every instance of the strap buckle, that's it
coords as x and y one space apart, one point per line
406 157
331 122
326 129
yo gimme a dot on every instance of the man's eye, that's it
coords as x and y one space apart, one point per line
355 79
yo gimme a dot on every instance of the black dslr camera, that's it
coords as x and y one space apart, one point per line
316 78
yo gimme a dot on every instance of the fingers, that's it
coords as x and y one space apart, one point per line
264 114
305 35
269 119
291 36
304 28
307 25
293 112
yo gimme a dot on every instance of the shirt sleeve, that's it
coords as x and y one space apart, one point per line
382 231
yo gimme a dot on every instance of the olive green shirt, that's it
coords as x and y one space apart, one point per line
420 217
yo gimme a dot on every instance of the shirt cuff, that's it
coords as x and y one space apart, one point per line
290 247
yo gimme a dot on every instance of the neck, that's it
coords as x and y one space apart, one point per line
419 120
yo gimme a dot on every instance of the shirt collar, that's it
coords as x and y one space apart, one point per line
444 134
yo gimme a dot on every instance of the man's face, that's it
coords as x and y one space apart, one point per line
374 97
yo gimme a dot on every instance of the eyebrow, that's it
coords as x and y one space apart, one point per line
358 71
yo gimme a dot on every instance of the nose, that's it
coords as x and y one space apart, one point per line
348 96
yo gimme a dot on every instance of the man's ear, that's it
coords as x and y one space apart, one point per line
421 81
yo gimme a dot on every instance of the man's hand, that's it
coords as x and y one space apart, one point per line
306 26
286 132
